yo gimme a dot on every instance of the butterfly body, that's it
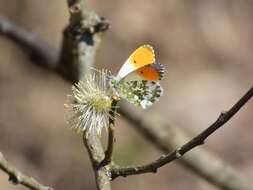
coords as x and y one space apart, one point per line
138 79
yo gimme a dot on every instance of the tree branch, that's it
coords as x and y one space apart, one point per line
196 141
16 177
80 41
202 162
38 50
81 38
96 154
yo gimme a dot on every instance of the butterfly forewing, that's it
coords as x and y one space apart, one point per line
142 56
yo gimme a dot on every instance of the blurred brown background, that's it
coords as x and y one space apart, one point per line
206 47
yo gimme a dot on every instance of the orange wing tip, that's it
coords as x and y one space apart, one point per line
149 47
142 56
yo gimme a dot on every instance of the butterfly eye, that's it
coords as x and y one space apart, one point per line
135 61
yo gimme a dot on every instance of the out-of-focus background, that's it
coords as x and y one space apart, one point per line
207 49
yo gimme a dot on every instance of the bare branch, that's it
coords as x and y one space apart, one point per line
198 140
16 177
81 38
39 51
96 154
80 41
202 162
205 164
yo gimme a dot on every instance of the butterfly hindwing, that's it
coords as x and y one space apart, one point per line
141 93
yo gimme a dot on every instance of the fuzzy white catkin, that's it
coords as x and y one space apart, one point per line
89 105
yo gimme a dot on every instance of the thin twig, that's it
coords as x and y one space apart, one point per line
196 141
16 177
202 162
108 153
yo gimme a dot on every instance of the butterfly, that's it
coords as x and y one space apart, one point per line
138 79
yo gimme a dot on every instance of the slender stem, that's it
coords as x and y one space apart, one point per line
16 177
111 128
196 141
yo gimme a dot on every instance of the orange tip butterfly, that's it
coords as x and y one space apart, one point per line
138 79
